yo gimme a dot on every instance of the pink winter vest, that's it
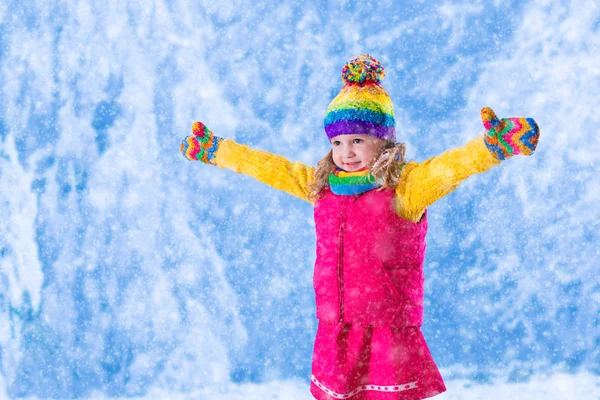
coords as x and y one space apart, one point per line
369 267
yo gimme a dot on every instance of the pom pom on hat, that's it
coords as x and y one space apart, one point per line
363 70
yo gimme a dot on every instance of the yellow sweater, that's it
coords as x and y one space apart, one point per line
419 186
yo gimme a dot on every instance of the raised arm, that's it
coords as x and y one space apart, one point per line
276 171
421 185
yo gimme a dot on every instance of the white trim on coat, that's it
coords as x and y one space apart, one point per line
378 388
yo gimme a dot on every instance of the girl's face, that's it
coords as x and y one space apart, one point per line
355 152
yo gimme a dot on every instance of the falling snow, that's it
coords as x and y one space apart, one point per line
127 271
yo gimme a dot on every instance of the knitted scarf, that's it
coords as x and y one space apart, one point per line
351 183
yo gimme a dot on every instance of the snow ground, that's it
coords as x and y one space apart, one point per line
558 386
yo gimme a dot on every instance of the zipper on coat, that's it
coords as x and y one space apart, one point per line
341 258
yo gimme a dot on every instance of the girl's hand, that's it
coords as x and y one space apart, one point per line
202 145
509 136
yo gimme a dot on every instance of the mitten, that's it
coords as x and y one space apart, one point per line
202 145
509 136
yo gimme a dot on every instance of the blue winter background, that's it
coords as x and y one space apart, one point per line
127 271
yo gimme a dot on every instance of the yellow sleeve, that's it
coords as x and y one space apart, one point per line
421 185
276 171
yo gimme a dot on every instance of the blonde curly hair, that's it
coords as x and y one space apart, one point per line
386 168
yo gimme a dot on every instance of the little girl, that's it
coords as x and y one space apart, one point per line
371 220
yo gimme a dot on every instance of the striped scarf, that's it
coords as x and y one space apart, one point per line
352 183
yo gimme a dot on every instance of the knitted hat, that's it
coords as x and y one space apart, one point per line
362 106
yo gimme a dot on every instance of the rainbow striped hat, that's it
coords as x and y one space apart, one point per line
362 106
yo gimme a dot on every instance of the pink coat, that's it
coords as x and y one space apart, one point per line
369 267
368 281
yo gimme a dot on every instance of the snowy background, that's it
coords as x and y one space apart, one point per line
126 270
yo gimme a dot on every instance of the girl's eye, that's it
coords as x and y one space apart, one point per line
356 141
336 143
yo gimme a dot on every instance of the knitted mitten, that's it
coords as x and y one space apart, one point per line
509 136
202 145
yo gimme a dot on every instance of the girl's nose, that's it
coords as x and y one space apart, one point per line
349 151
